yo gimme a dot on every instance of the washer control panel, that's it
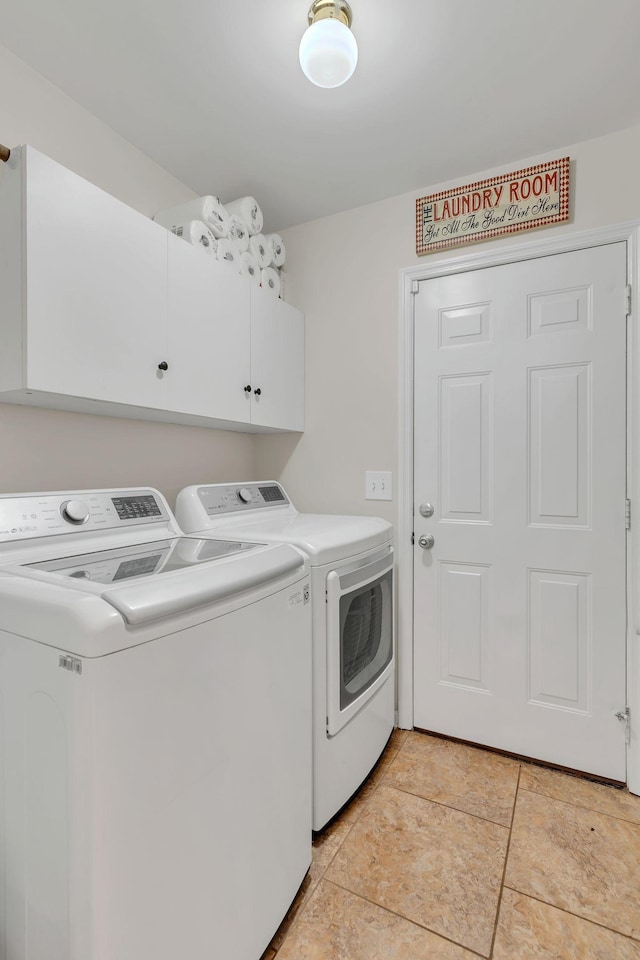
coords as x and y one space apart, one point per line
40 515
221 498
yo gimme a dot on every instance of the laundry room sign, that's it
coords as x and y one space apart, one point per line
523 200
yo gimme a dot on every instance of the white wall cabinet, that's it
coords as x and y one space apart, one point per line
233 346
277 373
209 335
88 314
104 311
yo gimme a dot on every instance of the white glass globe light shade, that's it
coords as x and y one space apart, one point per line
328 53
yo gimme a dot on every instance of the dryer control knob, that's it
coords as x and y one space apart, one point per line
75 511
245 495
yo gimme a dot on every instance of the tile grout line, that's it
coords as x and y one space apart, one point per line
528 764
385 782
414 923
504 869
577 916
313 889
441 803
354 799
580 806
383 779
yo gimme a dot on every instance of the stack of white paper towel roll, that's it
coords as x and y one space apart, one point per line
198 234
247 210
207 209
232 233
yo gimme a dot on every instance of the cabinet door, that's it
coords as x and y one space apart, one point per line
208 336
277 362
96 303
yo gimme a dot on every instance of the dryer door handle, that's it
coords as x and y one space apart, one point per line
363 575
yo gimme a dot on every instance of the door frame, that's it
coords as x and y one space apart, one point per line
629 233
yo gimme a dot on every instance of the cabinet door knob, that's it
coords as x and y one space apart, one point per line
257 391
163 366
247 389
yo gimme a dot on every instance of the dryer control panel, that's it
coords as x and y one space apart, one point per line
46 514
219 499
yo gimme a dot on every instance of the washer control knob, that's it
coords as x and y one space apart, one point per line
75 511
245 495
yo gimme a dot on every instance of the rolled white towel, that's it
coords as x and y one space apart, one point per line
208 209
239 232
249 268
275 244
258 249
270 278
228 251
248 210
197 234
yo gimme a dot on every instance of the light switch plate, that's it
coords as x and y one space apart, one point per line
377 485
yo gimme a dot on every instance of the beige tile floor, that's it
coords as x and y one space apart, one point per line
449 852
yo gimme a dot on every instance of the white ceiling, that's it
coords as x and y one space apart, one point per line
213 91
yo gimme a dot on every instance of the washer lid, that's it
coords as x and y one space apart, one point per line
140 560
144 582
205 585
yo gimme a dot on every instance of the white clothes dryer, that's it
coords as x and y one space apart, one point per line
353 651
155 739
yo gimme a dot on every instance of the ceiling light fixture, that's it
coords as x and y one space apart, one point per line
328 49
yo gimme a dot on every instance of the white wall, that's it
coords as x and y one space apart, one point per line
34 111
343 271
49 450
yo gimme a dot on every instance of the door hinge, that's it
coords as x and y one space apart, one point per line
628 299
413 539
624 716
627 514
414 287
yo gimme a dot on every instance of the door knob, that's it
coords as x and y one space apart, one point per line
426 510
427 542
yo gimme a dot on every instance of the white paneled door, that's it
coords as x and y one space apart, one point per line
520 449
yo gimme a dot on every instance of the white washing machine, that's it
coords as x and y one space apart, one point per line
351 561
155 733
